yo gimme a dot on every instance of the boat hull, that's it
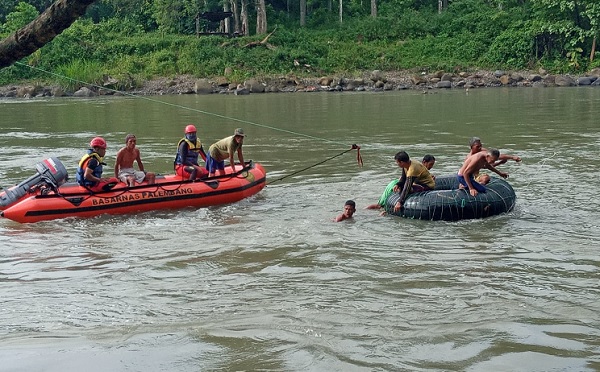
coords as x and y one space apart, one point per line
170 192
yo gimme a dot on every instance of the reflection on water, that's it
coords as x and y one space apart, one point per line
271 283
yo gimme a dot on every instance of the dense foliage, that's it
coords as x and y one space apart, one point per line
140 39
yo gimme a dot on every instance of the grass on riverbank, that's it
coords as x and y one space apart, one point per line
87 52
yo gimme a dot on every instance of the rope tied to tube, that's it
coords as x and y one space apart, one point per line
353 147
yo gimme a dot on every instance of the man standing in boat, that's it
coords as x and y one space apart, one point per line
124 170
224 149
471 167
415 178
89 171
186 161
476 147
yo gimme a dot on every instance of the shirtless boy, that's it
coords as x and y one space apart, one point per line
124 170
349 209
476 147
472 165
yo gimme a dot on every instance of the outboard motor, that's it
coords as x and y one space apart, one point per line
51 173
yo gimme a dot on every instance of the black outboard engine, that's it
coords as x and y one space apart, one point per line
51 173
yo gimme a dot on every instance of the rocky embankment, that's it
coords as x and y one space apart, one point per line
369 82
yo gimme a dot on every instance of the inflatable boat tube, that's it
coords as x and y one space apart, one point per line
169 192
449 203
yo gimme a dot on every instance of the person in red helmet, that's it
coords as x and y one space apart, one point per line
186 161
89 170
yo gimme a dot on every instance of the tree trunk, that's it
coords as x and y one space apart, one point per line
593 50
341 11
227 21
302 13
236 16
244 16
54 20
442 4
374 8
261 17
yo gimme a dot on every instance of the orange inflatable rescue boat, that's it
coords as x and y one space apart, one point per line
47 196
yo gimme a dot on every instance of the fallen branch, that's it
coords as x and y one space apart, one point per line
262 42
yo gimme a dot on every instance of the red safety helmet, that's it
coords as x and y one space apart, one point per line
190 129
98 142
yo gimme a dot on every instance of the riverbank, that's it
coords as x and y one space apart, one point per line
368 81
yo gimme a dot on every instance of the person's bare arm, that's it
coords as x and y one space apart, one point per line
117 163
400 180
405 190
240 156
138 159
231 162
470 167
493 169
506 157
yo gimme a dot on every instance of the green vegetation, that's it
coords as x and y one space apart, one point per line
135 40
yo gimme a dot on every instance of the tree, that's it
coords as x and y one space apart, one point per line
244 17
302 13
23 14
236 17
261 17
374 8
227 21
54 20
571 26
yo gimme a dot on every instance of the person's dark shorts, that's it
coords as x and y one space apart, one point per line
476 185
213 165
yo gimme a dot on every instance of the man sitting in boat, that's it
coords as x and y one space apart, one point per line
124 170
89 171
471 167
415 178
186 161
428 161
224 149
476 147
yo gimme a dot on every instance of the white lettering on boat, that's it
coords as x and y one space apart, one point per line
142 195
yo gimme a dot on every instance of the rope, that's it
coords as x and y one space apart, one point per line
538 169
354 146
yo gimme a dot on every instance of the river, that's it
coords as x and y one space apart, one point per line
271 283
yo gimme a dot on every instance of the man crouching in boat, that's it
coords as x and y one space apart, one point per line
89 171
224 149
415 178
471 167
186 161
476 147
